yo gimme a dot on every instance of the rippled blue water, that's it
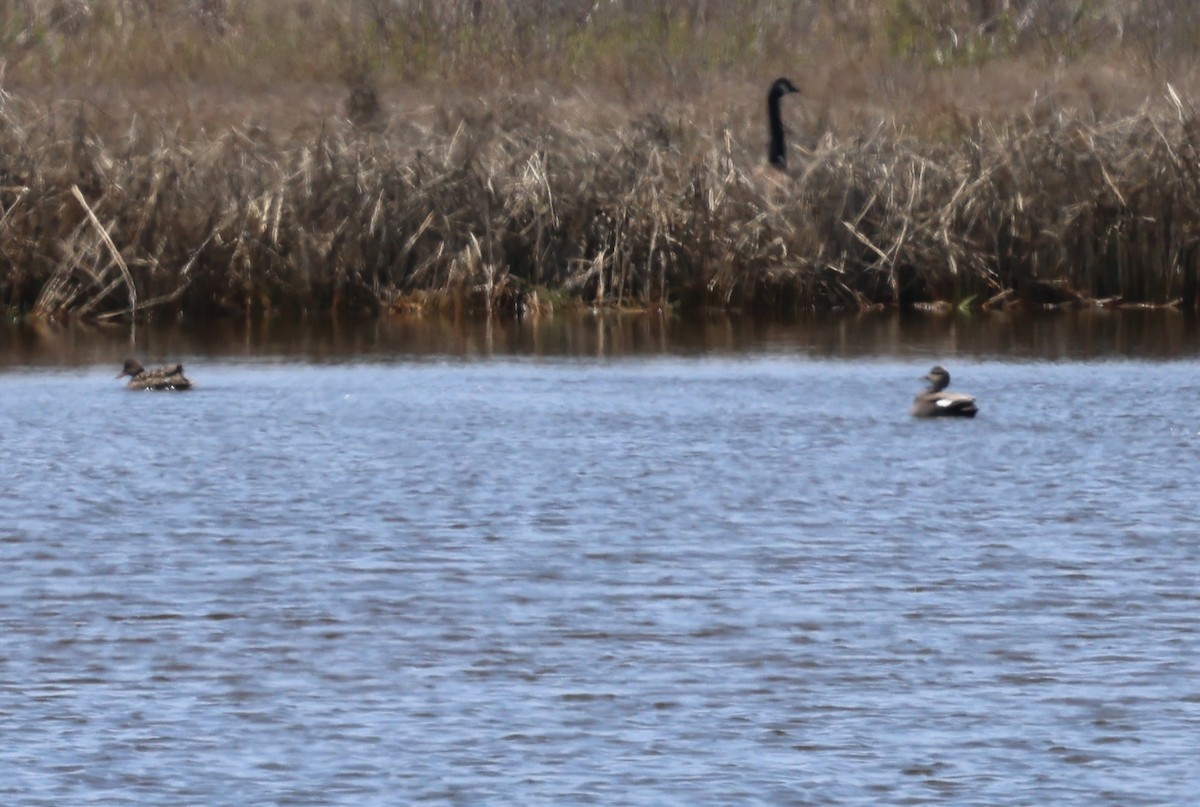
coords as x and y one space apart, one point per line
722 579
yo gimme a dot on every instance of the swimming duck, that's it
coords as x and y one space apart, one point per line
933 402
164 378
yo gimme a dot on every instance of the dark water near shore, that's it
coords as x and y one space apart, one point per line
603 563
1042 337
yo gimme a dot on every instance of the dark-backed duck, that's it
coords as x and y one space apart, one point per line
935 402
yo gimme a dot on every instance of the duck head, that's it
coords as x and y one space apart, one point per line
132 368
938 378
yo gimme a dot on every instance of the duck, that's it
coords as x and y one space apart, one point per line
935 402
777 150
163 378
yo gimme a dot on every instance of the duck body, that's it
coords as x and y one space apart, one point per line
936 402
161 379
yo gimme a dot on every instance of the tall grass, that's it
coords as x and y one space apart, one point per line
480 42
244 157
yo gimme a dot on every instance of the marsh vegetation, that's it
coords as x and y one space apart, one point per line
216 158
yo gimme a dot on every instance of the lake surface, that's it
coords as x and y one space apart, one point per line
417 563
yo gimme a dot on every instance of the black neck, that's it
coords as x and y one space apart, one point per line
777 154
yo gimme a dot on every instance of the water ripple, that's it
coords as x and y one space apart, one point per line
644 581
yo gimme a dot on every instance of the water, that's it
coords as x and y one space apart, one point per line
731 571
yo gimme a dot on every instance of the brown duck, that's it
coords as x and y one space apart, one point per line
935 402
164 378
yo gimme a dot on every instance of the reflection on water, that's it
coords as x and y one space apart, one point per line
1048 336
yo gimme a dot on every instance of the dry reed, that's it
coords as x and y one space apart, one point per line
508 206
498 219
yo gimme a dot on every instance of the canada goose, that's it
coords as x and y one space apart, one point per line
164 378
933 402
777 151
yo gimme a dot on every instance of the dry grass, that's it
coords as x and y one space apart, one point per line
977 166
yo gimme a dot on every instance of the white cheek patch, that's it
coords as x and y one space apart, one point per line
944 402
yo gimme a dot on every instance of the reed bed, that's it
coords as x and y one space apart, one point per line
527 216
505 205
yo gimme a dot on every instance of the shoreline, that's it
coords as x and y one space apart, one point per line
908 337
